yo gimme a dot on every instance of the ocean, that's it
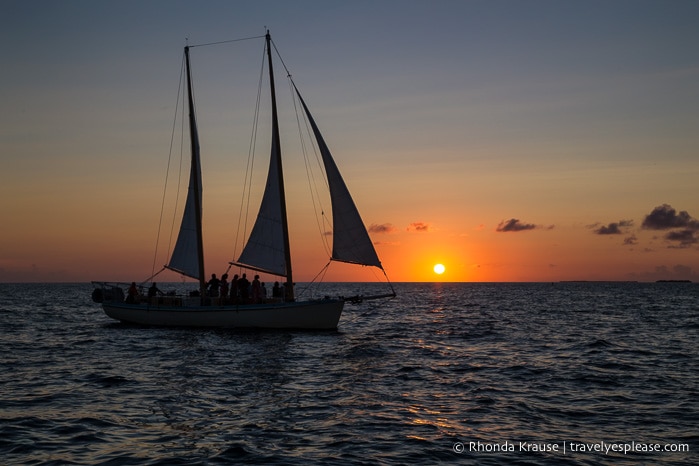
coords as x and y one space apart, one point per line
475 373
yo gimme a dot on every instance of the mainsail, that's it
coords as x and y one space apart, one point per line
267 247
351 242
187 256
264 250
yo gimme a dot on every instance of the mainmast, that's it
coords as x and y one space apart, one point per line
195 176
289 287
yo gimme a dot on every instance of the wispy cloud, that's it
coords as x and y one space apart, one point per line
419 227
514 224
387 243
383 228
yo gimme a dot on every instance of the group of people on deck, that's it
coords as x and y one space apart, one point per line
134 296
240 290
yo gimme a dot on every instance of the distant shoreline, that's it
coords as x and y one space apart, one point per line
623 281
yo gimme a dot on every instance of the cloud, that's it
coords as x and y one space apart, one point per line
664 217
614 228
630 240
611 229
419 226
387 243
682 270
685 238
514 224
383 228
685 228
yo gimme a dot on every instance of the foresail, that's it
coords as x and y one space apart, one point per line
264 250
351 242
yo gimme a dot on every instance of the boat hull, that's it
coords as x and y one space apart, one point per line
315 315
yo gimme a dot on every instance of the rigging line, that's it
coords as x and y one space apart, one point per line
179 178
309 172
143 283
311 134
374 307
288 73
319 161
167 172
295 95
247 183
226 41
393 290
302 289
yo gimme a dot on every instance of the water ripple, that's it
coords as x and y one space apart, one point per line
399 383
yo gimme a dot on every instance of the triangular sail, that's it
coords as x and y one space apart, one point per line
351 242
267 249
264 250
187 255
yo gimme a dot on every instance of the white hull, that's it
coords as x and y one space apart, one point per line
316 315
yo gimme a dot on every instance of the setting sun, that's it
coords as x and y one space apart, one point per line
439 269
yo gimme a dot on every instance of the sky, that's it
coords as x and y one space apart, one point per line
507 140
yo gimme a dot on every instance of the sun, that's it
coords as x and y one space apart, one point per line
439 269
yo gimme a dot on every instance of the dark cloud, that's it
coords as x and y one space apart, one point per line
685 238
685 228
419 226
664 217
611 229
514 224
614 228
383 228
630 240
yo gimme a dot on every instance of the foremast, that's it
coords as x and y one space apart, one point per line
187 256
195 176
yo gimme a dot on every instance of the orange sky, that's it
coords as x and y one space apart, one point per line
506 144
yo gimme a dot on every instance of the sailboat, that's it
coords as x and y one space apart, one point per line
267 249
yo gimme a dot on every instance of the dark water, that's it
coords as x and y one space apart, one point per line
421 379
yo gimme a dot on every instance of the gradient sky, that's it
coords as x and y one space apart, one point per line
508 140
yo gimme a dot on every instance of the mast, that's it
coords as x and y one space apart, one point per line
289 287
196 177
